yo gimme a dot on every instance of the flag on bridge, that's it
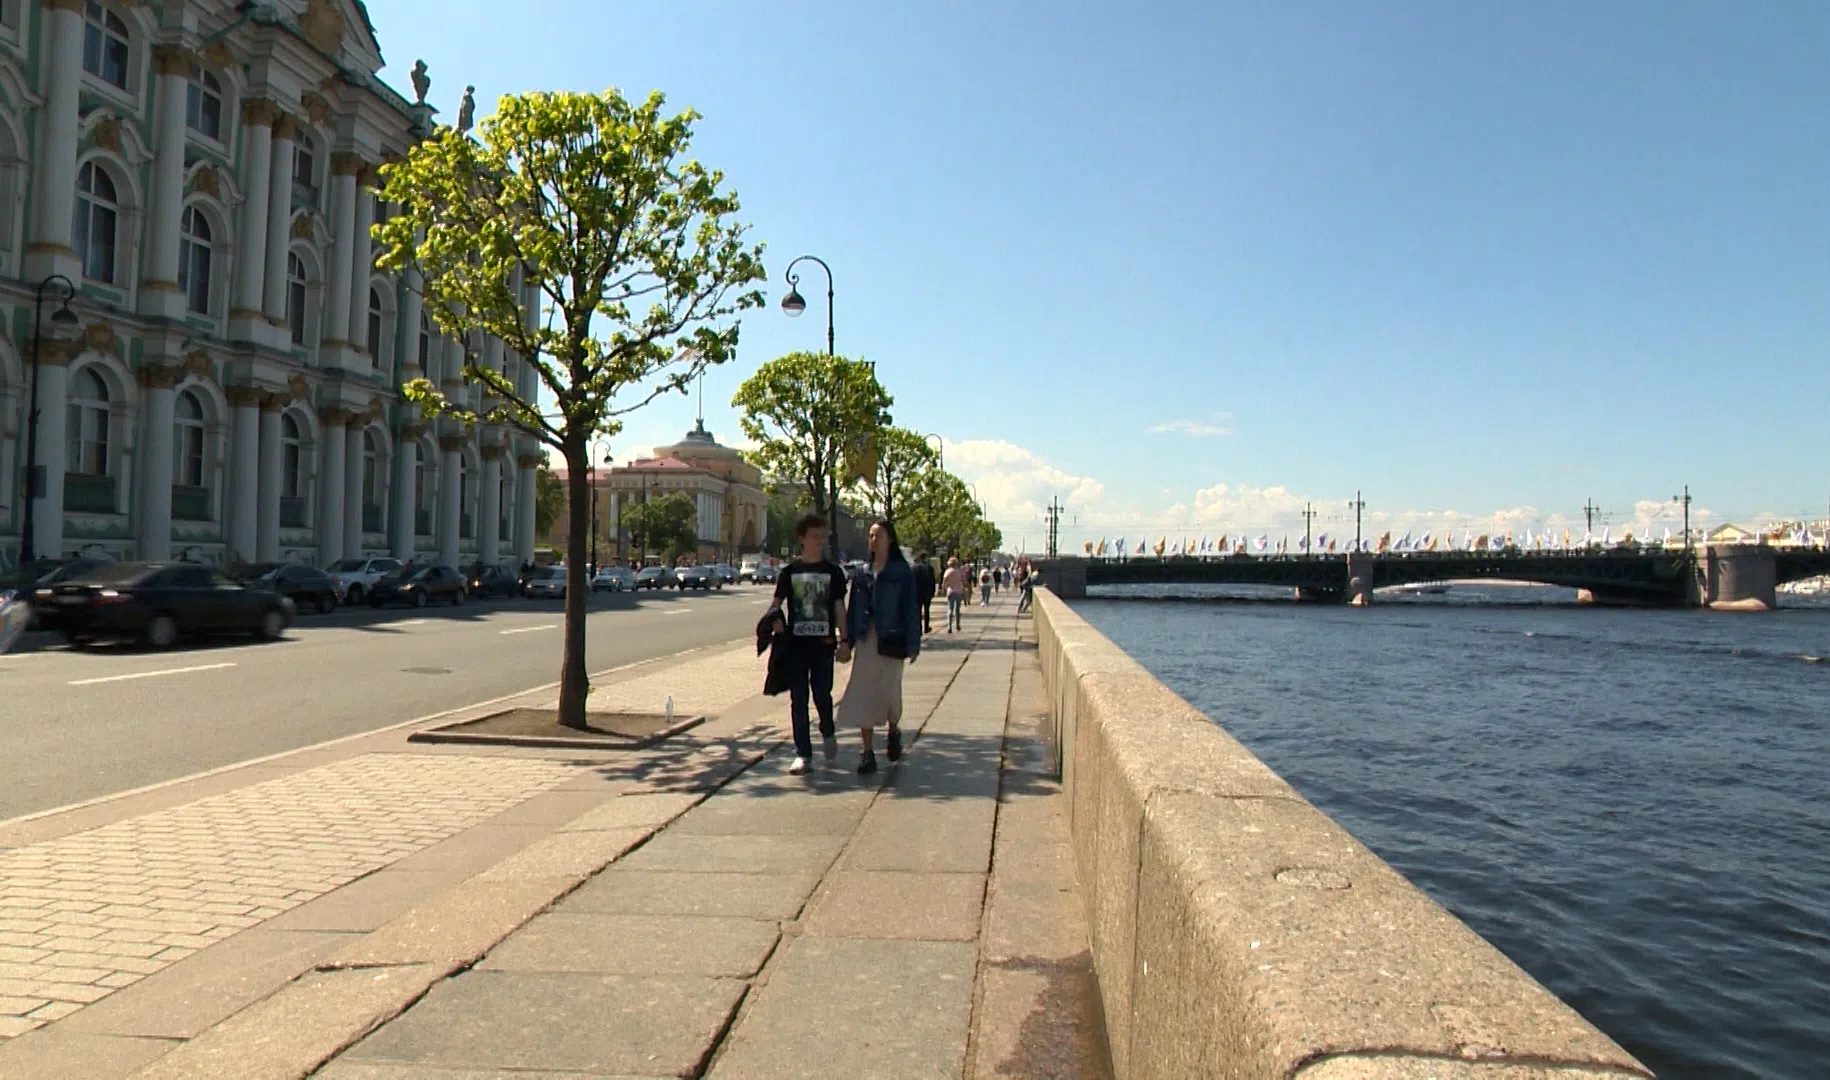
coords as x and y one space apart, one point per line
1143 547
1102 548
1260 543
1303 544
1220 545
1607 536
1429 542
1331 544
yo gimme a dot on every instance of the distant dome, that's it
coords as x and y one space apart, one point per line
698 443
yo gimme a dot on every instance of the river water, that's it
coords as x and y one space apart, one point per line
1632 805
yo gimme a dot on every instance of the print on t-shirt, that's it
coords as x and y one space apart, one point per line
810 604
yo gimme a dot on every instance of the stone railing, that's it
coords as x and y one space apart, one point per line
1239 932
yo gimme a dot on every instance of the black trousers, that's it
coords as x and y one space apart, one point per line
927 615
809 672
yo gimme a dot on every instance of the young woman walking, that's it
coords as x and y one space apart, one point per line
882 631
954 582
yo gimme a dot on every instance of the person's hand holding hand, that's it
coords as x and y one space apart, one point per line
844 654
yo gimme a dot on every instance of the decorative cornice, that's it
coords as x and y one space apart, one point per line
259 113
159 376
316 107
494 451
219 57
75 6
529 461
285 126
335 417
171 59
274 402
54 352
243 397
344 163
301 391
411 432
452 444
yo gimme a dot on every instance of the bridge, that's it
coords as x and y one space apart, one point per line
1717 575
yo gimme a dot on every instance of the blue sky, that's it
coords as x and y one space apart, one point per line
1189 265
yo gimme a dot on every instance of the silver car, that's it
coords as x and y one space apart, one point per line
545 583
614 579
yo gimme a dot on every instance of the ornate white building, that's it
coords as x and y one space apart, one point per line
203 176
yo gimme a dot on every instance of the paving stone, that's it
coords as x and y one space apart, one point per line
621 891
379 1070
368 902
615 1024
58 1053
637 945
856 1010
896 904
770 810
457 926
635 811
736 854
936 836
571 856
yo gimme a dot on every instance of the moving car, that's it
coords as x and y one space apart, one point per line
40 573
158 603
765 575
613 579
419 586
307 587
485 581
355 577
656 577
727 573
699 577
545 582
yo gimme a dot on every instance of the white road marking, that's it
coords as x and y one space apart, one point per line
530 629
150 674
412 622
678 611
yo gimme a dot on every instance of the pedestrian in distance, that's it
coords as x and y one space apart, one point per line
882 632
1027 592
954 582
985 587
810 594
924 591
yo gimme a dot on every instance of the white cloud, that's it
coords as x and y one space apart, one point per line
1200 429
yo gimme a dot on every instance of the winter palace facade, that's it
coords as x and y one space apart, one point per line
201 172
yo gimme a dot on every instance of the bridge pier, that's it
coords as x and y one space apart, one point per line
1741 577
1066 578
1359 579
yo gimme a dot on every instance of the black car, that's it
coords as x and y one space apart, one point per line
160 602
308 587
485 581
43 573
419 586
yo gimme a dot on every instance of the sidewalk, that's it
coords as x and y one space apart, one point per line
379 909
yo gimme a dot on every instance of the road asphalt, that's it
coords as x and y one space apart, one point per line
78 725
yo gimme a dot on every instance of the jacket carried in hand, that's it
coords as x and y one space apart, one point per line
772 635
885 601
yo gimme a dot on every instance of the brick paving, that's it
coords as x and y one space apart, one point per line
87 914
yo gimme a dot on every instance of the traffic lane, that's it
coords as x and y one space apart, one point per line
141 717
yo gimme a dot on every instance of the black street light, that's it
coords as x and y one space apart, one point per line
62 318
794 304
940 449
595 560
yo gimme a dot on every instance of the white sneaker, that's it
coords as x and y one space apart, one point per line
799 767
829 745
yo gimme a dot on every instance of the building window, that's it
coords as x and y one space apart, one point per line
304 176
371 470
203 104
374 340
425 344
292 459
295 297
194 260
187 463
88 418
97 209
104 44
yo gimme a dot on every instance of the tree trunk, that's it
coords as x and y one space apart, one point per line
574 683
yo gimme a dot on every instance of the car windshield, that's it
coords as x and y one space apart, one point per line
117 574
348 564
555 573
423 573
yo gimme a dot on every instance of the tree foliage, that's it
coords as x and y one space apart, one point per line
898 457
810 416
940 515
668 524
590 202
549 499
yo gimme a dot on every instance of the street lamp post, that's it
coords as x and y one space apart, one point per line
940 449
1685 499
793 304
1358 505
62 318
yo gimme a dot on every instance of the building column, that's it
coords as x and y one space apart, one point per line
489 505
272 481
410 306
257 183
48 514
279 218
450 497
153 462
330 485
344 168
352 492
525 465
406 494
362 264
165 206
244 472
54 173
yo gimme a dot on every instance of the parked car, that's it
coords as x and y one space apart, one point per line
158 603
656 577
355 577
418 586
765 575
307 587
486 581
613 579
699 577
545 583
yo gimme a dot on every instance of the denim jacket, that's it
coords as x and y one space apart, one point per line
884 601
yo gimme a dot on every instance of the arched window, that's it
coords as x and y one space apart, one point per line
194 260
371 470
425 344
292 459
104 44
187 464
97 209
374 339
88 419
295 297
203 104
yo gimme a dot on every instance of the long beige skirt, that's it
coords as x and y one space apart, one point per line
873 695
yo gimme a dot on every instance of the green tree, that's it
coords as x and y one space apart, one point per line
549 499
668 524
937 511
589 202
812 415
900 455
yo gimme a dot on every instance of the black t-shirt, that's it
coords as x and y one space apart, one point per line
809 593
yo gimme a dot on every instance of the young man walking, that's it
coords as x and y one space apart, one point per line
810 594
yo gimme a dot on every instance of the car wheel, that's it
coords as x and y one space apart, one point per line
419 598
327 603
457 598
162 632
273 624
355 594
75 641
375 603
